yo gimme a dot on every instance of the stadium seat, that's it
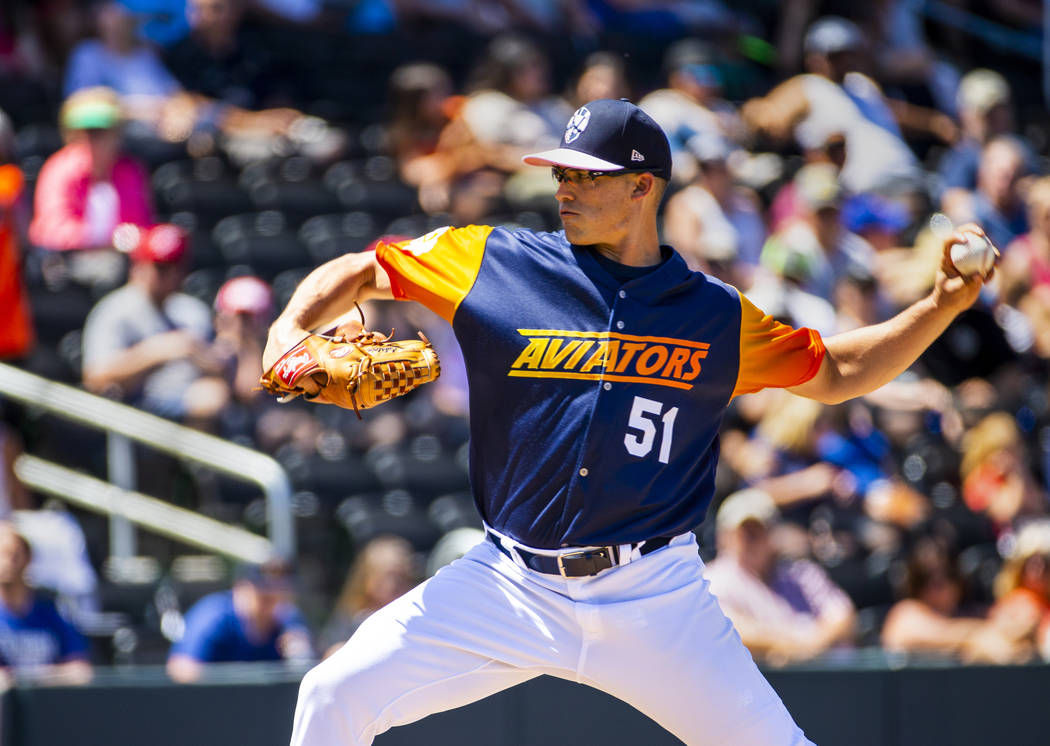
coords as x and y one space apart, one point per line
979 565
372 186
330 479
60 311
260 241
205 187
368 515
415 225
70 351
203 284
39 140
284 285
289 186
423 467
328 236
452 511
869 625
203 252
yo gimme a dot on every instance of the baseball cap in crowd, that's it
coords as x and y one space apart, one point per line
746 505
709 147
610 135
245 295
982 90
695 58
818 186
275 574
162 244
91 108
870 212
831 35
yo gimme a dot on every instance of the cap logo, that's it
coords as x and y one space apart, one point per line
577 124
636 156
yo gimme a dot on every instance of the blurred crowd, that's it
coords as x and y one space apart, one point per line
169 170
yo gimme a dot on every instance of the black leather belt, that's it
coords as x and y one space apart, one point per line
579 563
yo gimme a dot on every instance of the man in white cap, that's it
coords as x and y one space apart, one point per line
783 609
986 112
833 96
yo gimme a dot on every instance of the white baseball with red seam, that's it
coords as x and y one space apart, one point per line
974 257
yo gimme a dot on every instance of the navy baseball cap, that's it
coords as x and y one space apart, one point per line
610 135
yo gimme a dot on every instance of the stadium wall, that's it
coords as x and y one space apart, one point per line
874 706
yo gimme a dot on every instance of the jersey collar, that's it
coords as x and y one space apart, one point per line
666 279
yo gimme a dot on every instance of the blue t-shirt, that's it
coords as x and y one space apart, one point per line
137 73
958 168
1001 228
39 637
215 634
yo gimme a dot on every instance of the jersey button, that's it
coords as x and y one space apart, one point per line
606 385
584 472
619 325
623 293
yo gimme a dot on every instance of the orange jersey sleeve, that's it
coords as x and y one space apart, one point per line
773 354
11 183
438 269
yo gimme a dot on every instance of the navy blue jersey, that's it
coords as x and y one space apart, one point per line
594 404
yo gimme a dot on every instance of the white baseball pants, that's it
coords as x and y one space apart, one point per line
648 632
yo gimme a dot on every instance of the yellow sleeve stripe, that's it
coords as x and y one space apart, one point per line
613 335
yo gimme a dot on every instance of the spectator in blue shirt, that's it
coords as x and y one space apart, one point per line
117 59
998 204
161 114
986 111
256 621
35 641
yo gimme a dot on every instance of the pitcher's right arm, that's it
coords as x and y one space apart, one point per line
324 297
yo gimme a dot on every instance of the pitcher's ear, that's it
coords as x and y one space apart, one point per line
643 185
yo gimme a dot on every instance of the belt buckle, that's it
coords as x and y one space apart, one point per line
580 554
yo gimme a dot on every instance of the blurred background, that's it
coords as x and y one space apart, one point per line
169 171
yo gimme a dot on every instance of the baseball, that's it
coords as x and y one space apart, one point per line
974 257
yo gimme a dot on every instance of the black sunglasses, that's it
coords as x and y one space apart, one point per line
577 175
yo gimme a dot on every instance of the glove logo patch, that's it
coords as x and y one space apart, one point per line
357 374
290 368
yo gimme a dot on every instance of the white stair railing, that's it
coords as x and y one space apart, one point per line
150 513
124 424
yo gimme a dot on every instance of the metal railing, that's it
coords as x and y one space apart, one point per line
156 515
124 424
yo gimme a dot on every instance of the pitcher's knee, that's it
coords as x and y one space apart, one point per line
324 715
315 686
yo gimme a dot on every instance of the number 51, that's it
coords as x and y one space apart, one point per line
644 415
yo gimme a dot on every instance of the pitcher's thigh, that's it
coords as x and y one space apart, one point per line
688 670
452 640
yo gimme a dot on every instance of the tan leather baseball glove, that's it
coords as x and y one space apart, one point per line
356 373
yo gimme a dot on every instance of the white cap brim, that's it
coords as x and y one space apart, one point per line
570 159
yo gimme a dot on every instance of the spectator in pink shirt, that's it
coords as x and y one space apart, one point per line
784 610
89 187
